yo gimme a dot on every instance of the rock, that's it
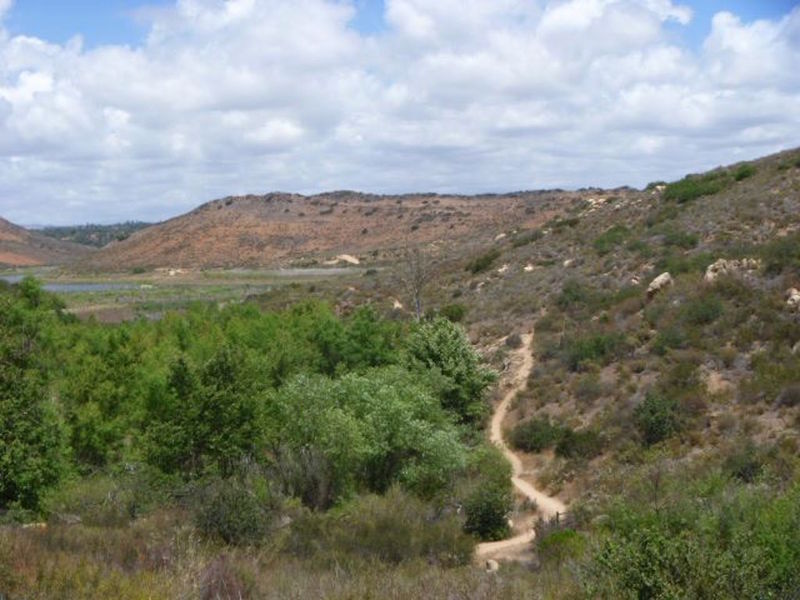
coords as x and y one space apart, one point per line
793 299
659 283
503 269
492 566
528 268
567 263
396 304
724 266
499 237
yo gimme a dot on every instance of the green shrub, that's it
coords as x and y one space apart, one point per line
483 262
610 239
681 239
670 337
535 435
656 418
599 347
393 528
703 310
560 546
743 172
718 541
584 444
745 463
692 187
559 224
487 511
781 253
454 313
487 497
235 510
524 238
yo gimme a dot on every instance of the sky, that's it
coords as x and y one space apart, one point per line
123 109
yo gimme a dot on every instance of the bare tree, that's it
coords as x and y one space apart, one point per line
415 272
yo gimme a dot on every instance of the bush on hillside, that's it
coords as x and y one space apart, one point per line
656 418
483 262
692 187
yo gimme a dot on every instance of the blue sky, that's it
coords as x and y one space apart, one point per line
120 22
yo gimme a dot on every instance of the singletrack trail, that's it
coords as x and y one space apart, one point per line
547 506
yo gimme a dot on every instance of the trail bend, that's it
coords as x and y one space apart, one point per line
547 506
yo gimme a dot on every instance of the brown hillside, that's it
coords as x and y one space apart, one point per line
278 228
22 248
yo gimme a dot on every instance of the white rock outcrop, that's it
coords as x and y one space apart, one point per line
793 299
659 283
723 266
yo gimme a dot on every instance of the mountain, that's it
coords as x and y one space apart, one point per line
22 248
278 227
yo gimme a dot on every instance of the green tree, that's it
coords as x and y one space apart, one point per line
208 418
441 349
31 434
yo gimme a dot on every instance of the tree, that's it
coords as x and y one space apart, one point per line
209 418
442 350
31 436
416 272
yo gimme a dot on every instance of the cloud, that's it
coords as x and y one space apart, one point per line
5 6
239 96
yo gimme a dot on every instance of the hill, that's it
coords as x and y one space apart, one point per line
22 248
278 228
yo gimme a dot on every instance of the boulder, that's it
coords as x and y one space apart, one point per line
659 283
492 566
793 299
738 268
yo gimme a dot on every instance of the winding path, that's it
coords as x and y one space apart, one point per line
547 506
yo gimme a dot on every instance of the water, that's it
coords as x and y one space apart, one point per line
76 287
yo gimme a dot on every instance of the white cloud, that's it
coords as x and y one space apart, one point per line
5 6
455 95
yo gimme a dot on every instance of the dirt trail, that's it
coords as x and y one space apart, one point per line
548 506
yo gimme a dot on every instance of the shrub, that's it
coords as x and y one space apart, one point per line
559 546
454 313
392 529
487 513
656 418
526 237
692 187
535 435
703 310
579 444
610 239
602 347
514 341
781 254
483 262
235 511
745 463
743 172
681 239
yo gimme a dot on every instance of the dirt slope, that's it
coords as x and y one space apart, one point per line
279 228
22 248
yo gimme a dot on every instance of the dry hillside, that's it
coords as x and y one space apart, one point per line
281 228
22 248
